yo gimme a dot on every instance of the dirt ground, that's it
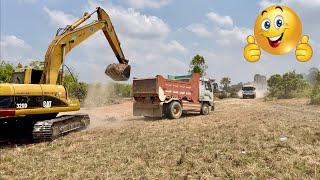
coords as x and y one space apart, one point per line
241 139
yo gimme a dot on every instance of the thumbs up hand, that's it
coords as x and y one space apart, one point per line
304 50
252 51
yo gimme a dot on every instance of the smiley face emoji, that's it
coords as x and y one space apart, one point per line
277 30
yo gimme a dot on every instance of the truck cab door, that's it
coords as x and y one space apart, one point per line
207 92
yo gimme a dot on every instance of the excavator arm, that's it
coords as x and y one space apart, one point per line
74 35
111 36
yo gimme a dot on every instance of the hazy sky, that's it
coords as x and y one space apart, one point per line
157 36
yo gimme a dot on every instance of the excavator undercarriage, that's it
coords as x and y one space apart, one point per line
41 128
51 129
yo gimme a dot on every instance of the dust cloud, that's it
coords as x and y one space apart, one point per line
261 89
103 107
109 115
98 95
261 93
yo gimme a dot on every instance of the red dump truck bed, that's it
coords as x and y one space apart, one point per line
161 88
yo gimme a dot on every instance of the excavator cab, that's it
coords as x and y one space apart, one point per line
26 76
29 76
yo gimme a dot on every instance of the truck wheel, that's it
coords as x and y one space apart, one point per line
205 109
175 110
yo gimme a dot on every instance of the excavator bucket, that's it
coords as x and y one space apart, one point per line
118 72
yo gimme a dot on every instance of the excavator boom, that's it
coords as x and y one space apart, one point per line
72 36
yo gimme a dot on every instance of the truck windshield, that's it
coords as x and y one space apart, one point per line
248 89
208 86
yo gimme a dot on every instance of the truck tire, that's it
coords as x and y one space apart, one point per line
174 110
205 109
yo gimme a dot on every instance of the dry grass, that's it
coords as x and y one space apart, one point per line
241 139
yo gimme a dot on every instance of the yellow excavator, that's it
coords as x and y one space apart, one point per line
37 96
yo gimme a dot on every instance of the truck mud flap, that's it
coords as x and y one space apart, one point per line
148 109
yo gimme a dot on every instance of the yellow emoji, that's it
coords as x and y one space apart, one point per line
277 30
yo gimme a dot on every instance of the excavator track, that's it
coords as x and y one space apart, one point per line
49 130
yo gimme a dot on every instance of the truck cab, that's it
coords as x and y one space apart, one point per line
248 91
206 91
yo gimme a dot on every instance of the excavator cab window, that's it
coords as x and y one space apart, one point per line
36 76
17 78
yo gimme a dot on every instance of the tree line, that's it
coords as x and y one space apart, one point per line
287 85
294 85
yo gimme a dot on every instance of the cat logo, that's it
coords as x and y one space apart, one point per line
47 104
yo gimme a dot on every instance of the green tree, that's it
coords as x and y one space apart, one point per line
75 88
275 85
6 71
198 65
286 86
19 65
122 90
225 82
35 64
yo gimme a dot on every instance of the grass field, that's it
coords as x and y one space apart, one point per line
241 139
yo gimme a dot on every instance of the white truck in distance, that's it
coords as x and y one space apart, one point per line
248 91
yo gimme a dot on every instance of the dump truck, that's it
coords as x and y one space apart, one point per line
248 91
161 97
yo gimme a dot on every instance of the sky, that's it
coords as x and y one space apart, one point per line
157 36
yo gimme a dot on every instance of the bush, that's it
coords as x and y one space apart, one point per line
6 71
75 88
287 86
121 90
315 96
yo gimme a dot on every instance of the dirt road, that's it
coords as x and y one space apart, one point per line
241 139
